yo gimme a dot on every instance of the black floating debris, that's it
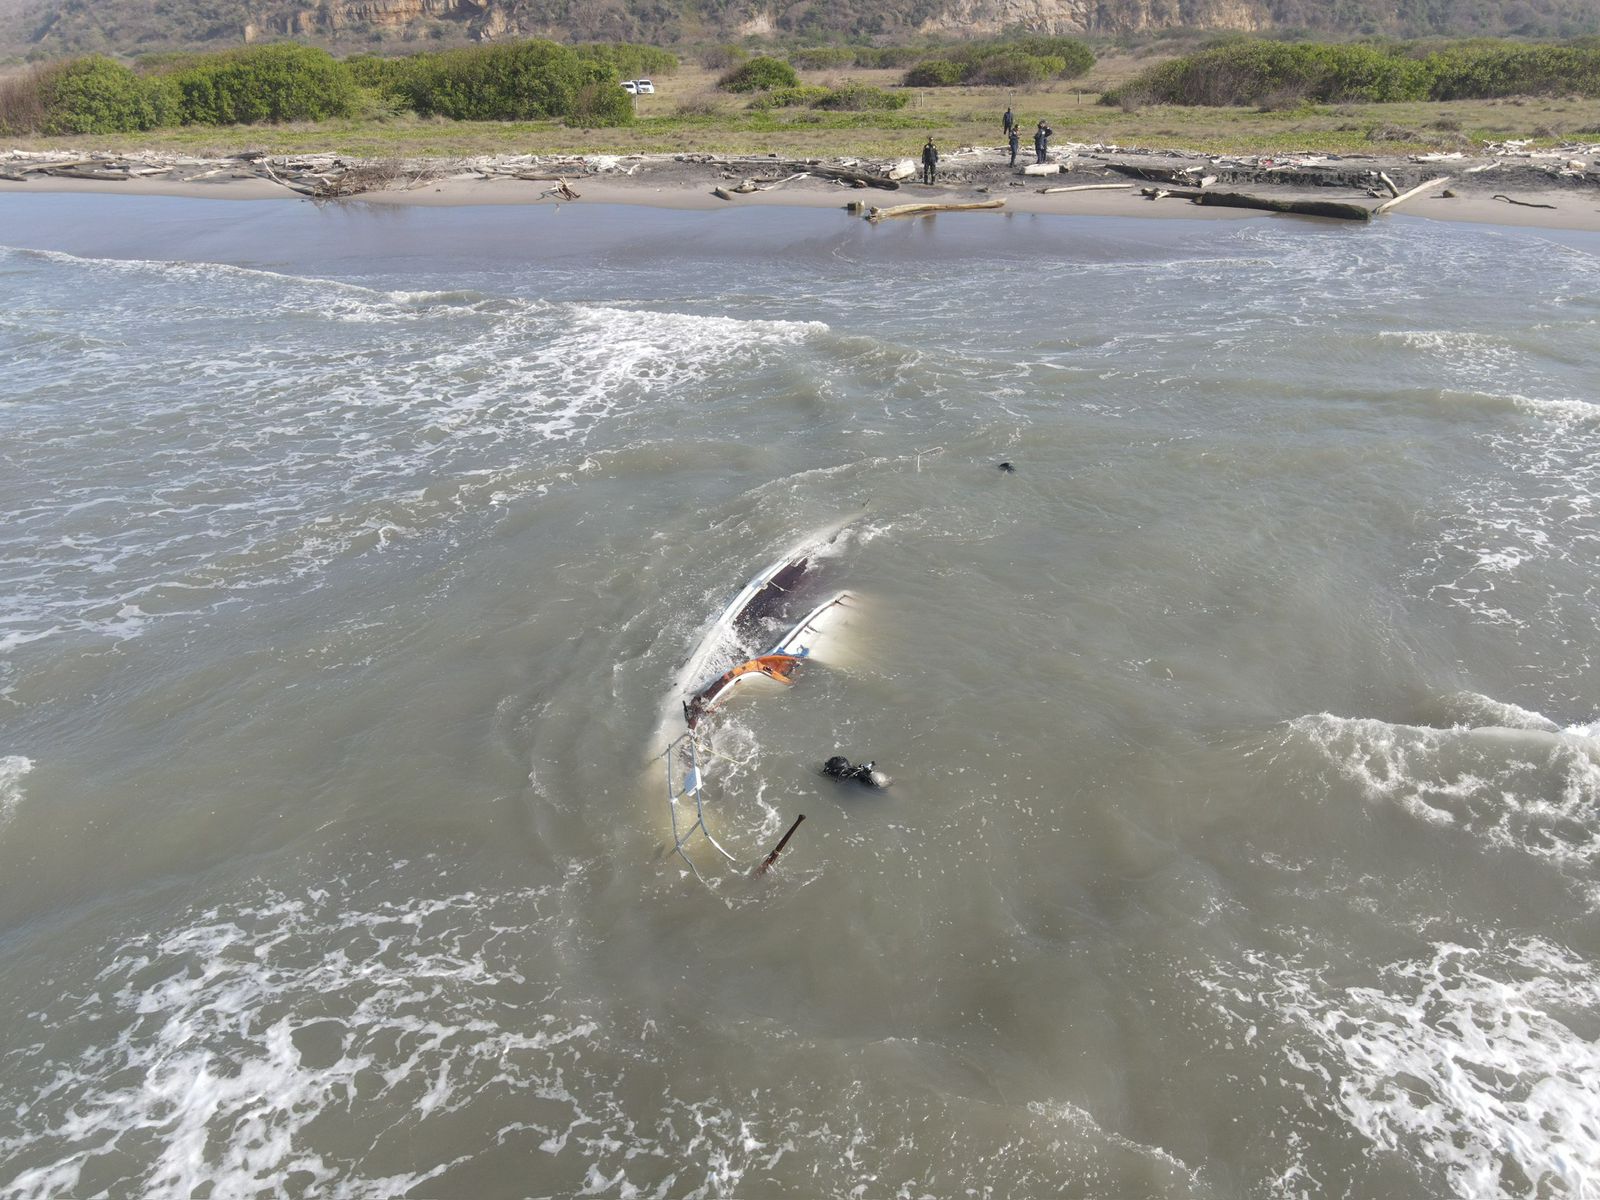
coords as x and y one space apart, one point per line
1008 468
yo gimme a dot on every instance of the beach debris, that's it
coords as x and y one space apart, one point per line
1339 210
904 169
1008 468
1520 203
1394 189
1043 168
722 193
1404 196
1086 187
876 214
767 863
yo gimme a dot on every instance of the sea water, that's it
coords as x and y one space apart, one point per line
1243 836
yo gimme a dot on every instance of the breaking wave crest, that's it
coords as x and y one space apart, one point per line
1519 784
12 768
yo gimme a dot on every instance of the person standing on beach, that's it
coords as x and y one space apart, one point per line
1041 141
930 160
1008 122
1013 139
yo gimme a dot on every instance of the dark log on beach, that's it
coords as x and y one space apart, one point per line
844 175
1520 203
78 173
1301 208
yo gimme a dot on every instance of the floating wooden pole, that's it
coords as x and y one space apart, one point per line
1084 187
1303 208
766 863
918 210
1404 196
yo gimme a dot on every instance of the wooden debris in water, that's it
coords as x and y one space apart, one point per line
875 213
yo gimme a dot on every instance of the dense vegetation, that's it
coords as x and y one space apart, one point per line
759 75
1259 72
850 97
531 80
1015 62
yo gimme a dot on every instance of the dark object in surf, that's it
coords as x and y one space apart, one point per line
840 767
1008 468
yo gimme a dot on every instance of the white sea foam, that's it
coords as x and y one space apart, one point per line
318 442
12 768
1473 1063
1525 786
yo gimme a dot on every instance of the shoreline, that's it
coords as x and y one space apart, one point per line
1552 197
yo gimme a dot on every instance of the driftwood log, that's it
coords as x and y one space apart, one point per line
1336 209
1085 187
1402 197
876 214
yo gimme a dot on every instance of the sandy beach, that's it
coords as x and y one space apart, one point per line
1549 190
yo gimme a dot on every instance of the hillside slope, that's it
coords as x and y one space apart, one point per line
56 27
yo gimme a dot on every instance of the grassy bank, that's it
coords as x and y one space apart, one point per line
688 115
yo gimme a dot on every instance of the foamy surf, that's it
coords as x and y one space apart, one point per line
12 768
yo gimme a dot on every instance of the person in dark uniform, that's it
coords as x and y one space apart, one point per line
1014 139
1007 122
930 161
1041 141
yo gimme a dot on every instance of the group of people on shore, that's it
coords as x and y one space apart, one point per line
1012 129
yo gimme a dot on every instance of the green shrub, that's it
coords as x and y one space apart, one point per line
802 96
860 97
759 75
513 81
1253 72
96 95
935 72
1015 69
1015 62
628 61
822 58
284 82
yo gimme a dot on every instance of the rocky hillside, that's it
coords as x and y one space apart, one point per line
57 27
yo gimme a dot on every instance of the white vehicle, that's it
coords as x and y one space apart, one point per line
646 88
631 87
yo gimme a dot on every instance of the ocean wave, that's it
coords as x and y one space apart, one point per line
316 443
1472 1063
1529 787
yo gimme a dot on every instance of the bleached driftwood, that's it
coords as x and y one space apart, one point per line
1404 196
1042 169
919 210
1086 187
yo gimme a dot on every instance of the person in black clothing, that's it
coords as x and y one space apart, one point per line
930 161
1007 122
1041 141
1014 139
